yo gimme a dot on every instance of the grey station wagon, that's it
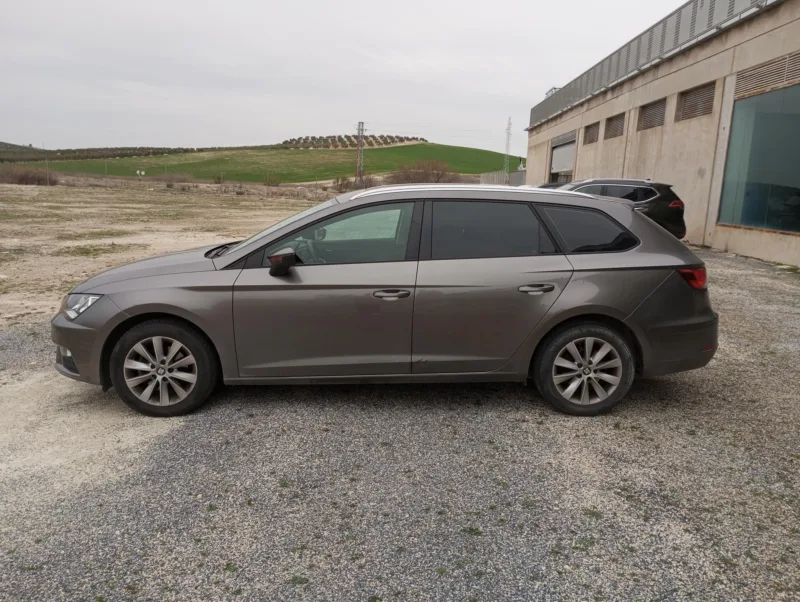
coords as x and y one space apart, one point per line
408 284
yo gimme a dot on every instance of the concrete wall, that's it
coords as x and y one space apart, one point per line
688 154
515 178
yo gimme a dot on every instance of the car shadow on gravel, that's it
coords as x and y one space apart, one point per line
660 393
432 396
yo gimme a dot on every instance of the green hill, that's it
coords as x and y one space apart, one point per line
11 149
288 165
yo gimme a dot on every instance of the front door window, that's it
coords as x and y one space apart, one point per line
369 235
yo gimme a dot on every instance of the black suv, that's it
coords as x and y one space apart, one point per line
657 201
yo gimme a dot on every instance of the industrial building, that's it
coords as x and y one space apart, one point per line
707 100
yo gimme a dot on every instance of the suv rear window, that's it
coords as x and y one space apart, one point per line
475 229
586 231
630 193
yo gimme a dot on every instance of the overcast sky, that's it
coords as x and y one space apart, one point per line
193 73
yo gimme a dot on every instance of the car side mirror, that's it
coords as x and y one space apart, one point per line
281 262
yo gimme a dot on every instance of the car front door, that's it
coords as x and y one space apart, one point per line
488 273
345 309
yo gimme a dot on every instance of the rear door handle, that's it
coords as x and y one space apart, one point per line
391 294
536 289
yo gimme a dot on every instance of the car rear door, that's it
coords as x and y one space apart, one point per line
488 273
346 310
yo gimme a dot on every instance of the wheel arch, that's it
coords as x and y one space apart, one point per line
613 322
120 329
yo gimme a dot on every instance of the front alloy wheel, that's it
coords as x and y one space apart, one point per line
163 367
160 371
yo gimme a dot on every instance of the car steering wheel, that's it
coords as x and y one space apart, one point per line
306 252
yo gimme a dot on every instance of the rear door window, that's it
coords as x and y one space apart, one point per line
586 231
476 229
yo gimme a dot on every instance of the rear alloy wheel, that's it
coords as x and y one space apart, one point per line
163 368
585 369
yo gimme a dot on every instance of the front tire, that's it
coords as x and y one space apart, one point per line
585 369
163 368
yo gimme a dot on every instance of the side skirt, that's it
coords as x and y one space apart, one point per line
472 377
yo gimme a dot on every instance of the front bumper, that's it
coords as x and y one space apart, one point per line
84 338
66 366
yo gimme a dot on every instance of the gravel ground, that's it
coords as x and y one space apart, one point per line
688 490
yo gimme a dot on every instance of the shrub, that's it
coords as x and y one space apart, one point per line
27 176
170 184
424 172
341 184
368 181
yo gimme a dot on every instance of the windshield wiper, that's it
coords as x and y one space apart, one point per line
217 251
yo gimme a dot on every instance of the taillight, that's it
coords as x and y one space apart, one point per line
677 204
696 277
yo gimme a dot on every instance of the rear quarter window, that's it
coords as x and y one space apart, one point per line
587 231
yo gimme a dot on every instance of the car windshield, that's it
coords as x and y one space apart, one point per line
282 223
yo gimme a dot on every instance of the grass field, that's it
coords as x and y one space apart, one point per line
288 165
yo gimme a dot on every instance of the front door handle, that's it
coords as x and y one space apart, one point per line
391 294
537 289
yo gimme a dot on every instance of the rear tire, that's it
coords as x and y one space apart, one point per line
154 383
582 384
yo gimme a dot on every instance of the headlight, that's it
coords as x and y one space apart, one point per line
75 305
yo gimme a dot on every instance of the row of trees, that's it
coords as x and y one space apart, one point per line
20 154
346 141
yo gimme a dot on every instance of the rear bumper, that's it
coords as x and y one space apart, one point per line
680 348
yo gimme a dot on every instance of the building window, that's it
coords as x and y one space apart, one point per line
591 133
761 185
652 115
696 102
562 157
615 126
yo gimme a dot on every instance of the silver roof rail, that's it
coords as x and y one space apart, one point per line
464 187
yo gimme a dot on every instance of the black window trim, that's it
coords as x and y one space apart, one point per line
426 244
412 246
562 244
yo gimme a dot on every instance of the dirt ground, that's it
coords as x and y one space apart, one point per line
53 238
